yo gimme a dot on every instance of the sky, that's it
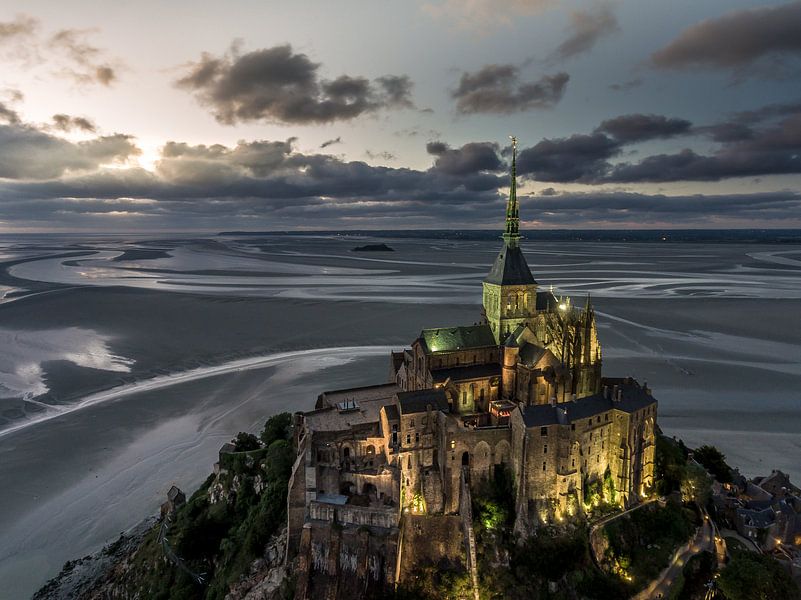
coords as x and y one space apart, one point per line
261 115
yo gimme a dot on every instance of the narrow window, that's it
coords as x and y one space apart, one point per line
543 431
416 438
408 439
545 449
543 465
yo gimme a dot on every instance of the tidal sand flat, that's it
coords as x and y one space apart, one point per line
713 328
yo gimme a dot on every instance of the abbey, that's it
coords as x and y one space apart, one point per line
520 393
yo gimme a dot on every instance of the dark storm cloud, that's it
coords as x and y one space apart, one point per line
743 38
499 89
586 28
582 158
64 122
471 158
336 140
762 142
29 153
279 85
639 127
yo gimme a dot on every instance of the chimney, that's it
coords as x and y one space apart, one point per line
606 392
553 400
615 393
573 397
619 394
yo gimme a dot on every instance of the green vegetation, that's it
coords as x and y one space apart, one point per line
671 461
509 567
752 576
440 582
696 485
221 540
714 461
642 543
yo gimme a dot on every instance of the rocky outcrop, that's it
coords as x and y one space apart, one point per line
267 577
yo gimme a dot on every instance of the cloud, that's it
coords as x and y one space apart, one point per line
761 38
8 114
639 127
762 142
336 140
20 26
383 155
585 29
498 89
278 85
87 63
625 86
579 157
618 209
29 153
64 122
471 158
483 14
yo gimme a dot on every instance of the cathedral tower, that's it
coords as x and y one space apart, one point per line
510 292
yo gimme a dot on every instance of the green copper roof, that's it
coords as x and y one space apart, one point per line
448 339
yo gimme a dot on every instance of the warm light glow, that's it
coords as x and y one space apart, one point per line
563 306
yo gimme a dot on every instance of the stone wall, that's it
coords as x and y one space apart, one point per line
429 540
345 563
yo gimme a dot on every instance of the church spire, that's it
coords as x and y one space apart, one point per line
511 235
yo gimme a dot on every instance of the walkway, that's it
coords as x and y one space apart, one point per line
660 587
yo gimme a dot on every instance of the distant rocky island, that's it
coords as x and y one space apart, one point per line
373 248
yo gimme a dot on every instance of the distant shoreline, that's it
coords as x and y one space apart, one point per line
719 236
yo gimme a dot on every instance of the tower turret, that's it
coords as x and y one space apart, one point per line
510 291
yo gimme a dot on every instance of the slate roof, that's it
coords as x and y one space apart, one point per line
445 339
392 412
510 268
467 372
531 353
546 300
757 518
418 401
633 398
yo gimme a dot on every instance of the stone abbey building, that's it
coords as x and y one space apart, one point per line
387 466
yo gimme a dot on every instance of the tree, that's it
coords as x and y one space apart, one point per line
714 461
245 442
696 486
752 576
277 427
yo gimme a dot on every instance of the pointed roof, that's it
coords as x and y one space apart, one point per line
510 267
